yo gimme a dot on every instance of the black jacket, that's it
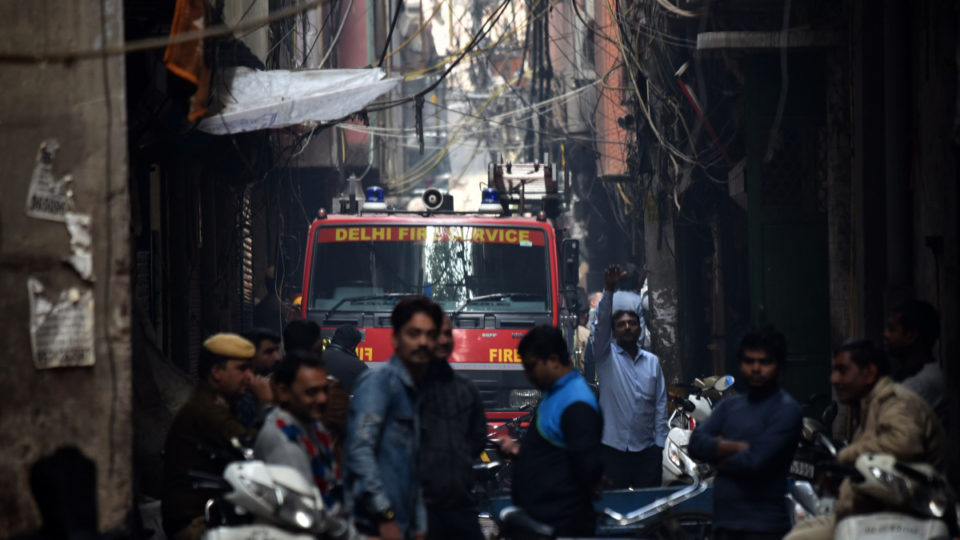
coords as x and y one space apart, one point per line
343 365
454 431
556 485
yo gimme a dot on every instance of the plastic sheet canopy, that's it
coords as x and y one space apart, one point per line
254 100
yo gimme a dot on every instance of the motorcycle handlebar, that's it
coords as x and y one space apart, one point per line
510 424
842 470
684 404
235 452
204 480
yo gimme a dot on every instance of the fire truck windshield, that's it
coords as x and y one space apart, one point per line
466 269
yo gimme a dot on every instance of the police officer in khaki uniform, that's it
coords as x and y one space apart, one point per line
203 423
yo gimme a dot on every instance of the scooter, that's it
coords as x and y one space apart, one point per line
920 503
689 412
653 519
257 500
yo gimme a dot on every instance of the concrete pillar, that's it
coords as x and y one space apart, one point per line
78 109
661 263
839 203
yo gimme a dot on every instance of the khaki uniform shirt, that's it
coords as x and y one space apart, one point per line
205 419
891 420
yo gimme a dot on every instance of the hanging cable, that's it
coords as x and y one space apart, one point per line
393 25
336 37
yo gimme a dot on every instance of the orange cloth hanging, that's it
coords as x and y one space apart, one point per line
186 59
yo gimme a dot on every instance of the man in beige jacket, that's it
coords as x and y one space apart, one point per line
890 420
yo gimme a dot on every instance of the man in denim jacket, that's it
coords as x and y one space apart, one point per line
383 429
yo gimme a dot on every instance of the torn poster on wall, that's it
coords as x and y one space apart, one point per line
81 253
61 333
49 197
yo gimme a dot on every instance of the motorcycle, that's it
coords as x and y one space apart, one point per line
688 412
814 449
919 502
493 472
257 500
657 519
660 518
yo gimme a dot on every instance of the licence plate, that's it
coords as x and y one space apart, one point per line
803 469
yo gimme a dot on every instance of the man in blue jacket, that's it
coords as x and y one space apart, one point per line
751 439
381 457
558 469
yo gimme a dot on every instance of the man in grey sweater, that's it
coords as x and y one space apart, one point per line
293 433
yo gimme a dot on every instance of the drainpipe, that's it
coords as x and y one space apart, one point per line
371 42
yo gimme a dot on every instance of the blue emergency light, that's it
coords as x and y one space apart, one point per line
374 199
374 194
490 201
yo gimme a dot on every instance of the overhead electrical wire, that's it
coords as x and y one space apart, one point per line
159 42
336 38
418 31
316 39
484 29
393 25
499 118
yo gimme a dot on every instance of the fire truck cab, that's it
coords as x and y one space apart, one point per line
496 275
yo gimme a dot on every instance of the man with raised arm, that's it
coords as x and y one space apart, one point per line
633 394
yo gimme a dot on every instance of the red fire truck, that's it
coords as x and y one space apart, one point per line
496 272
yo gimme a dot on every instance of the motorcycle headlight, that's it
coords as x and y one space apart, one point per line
896 484
260 491
673 454
937 508
297 514
294 511
523 396
933 502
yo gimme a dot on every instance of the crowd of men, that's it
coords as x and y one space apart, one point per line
391 449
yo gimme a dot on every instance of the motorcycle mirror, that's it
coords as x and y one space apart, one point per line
698 383
810 428
723 383
827 443
830 413
489 466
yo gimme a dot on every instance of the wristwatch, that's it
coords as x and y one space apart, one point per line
385 515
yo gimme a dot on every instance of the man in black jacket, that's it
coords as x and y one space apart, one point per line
341 358
454 431
558 468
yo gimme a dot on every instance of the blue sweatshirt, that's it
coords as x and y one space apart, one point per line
558 467
748 494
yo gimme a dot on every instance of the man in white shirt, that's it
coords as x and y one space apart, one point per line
633 394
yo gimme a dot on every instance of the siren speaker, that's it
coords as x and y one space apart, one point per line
432 199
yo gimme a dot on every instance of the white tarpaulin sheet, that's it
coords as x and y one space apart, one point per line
279 98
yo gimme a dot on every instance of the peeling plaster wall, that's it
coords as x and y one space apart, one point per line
81 104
